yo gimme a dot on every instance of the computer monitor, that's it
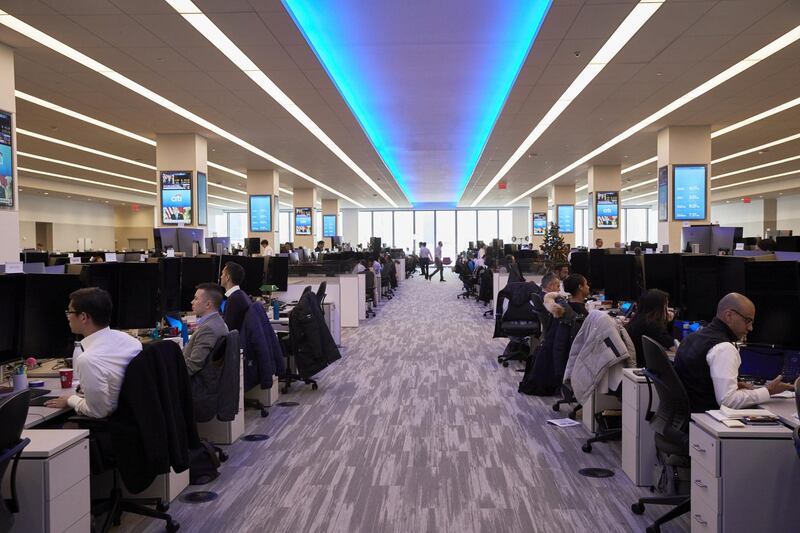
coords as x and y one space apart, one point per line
724 239
12 294
106 277
209 242
663 272
169 285
253 272
45 330
787 244
33 268
188 238
194 271
137 298
278 272
33 257
55 269
294 258
165 238
625 284
220 245
579 264
701 293
336 242
596 278
700 235
760 362
253 245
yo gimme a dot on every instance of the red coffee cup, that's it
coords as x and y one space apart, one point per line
66 378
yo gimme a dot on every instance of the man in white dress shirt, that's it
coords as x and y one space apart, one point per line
424 259
103 355
437 262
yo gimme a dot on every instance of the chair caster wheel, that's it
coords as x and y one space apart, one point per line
162 507
499 359
314 386
505 364
264 413
638 508
172 526
556 407
587 448
653 529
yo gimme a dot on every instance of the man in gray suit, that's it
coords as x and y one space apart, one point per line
210 326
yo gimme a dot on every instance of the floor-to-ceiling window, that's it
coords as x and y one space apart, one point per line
446 232
317 226
467 228
364 228
285 228
505 227
487 225
404 230
237 227
424 228
635 225
382 227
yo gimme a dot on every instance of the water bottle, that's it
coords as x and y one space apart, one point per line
276 310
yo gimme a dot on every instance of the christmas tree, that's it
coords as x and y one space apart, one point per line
553 245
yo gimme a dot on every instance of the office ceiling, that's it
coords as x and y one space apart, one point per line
684 44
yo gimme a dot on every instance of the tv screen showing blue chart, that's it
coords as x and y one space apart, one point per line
663 186
176 197
539 223
302 221
261 212
329 225
566 218
202 198
608 210
6 162
689 192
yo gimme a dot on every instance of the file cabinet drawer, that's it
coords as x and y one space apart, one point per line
703 449
705 487
702 518
68 468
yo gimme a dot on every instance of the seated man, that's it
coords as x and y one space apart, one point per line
104 355
237 302
708 362
210 326
576 290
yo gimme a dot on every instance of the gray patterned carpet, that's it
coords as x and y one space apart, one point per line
416 429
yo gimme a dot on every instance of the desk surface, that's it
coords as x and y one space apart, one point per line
783 407
48 442
39 415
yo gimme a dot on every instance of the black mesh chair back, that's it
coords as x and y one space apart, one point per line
321 292
797 429
672 418
306 290
13 412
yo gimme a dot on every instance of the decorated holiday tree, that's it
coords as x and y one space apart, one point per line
553 245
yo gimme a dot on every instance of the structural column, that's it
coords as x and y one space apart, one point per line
330 208
564 195
679 146
262 183
9 199
179 159
604 204
304 202
537 221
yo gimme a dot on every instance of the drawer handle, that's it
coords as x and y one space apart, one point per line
700 484
699 448
699 519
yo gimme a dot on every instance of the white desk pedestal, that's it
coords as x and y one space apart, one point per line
267 397
220 432
638 438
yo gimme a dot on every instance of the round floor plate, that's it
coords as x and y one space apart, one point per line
288 404
254 437
596 472
200 496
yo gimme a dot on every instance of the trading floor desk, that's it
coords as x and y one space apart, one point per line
745 479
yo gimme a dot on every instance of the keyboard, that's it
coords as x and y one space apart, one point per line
35 393
40 401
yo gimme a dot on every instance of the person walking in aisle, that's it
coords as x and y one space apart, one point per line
437 261
424 259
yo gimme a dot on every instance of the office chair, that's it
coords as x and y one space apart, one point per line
671 424
518 322
796 435
370 293
13 412
321 294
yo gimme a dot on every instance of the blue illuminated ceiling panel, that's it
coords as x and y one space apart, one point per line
426 79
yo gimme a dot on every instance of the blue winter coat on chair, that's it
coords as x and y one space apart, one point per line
263 358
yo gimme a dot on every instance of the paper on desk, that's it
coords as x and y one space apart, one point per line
784 394
563 422
741 413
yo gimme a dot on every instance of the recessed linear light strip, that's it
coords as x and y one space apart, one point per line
57 46
756 180
83 148
81 180
215 36
753 59
226 199
638 16
757 167
733 127
126 133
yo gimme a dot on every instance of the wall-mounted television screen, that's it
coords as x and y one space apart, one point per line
689 184
302 220
261 212
590 206
6 162
329 225
539 223
176 197
565 215
663 193
607 210
202 199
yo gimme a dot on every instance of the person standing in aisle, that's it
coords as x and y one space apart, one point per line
424 259
437 261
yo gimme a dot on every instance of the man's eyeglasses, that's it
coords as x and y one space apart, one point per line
747 319
68 312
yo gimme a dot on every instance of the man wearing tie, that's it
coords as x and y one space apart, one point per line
237 302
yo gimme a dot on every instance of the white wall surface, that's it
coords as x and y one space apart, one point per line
749 216
789 213
72 220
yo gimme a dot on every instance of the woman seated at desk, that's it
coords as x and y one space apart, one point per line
652 318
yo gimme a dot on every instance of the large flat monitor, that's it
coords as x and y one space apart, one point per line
104 276
254 268
278 272
169 285
176 197
539 223
221 245
45 330
565 215
724 238
6 162
12 294
663 193
188 238
202 199
329 225
607 210
302 220
194 271
663 271
689 184
626 282
137 299
701 288
165 238
260 212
